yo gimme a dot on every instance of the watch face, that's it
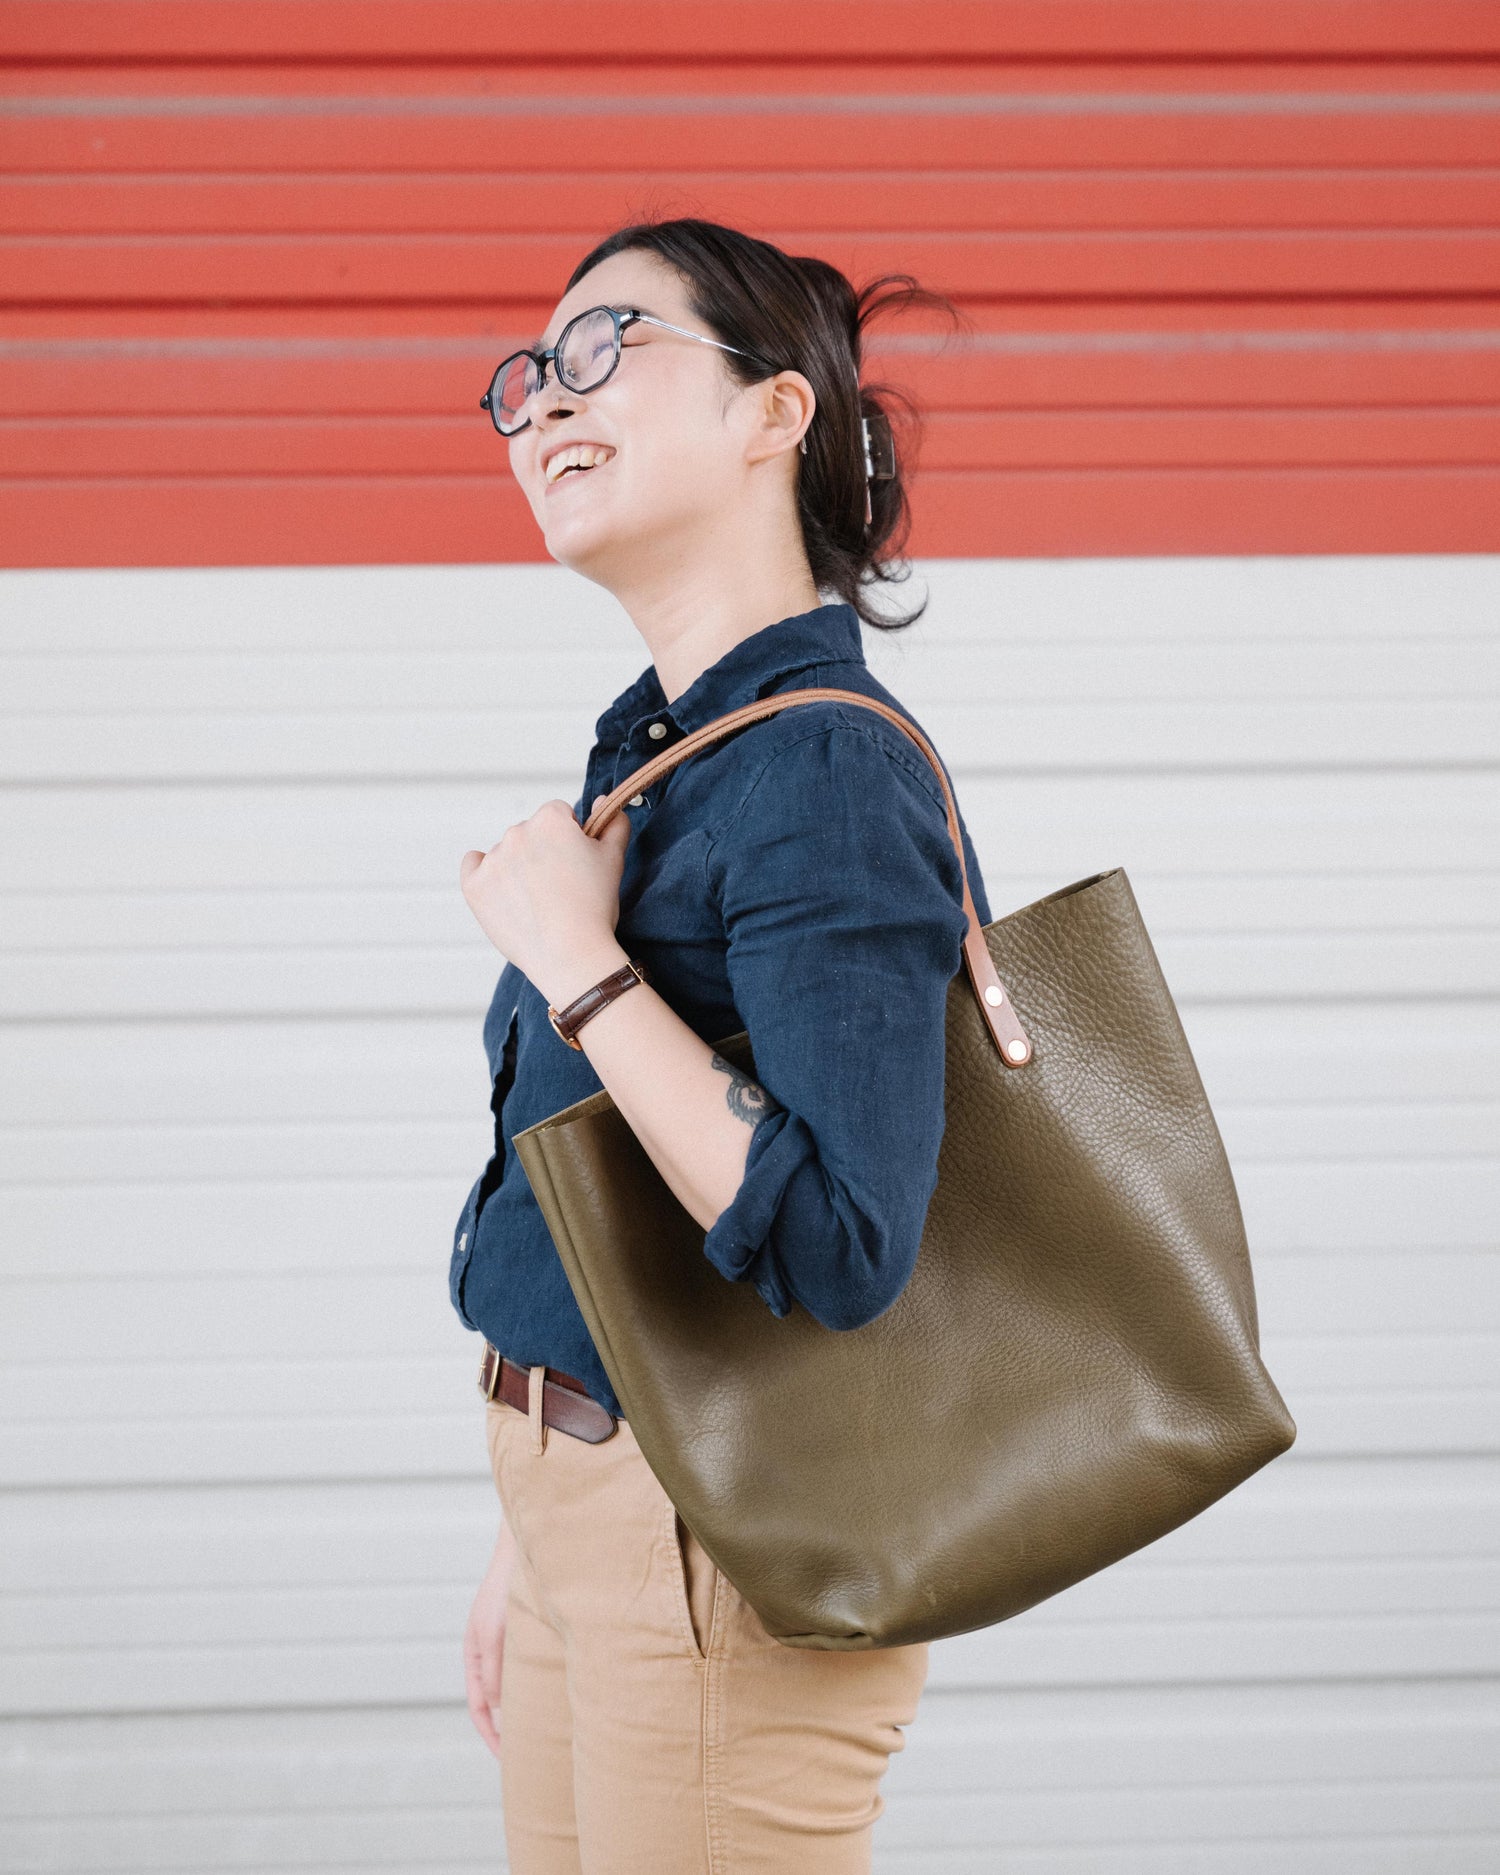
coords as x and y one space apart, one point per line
552 1018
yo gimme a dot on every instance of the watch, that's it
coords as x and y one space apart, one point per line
567 1022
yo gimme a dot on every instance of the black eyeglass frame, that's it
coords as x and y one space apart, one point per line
620 317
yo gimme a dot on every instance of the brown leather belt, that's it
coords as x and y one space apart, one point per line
566 1402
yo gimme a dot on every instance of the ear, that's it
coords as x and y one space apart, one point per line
783 409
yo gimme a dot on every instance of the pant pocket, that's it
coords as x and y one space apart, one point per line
494 1420
503 1426
695 1581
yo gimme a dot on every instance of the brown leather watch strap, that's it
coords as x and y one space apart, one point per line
569 1021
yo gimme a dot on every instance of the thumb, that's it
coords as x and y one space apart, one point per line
619 821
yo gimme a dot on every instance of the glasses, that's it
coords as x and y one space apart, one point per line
584 357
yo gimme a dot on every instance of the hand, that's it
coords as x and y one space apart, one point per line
484 1640
548 896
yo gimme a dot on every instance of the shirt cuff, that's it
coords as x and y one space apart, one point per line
738 1240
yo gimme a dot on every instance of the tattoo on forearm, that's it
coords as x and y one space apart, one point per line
748 1100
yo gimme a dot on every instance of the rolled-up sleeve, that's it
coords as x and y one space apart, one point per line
842 901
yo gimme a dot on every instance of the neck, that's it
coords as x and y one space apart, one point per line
690 614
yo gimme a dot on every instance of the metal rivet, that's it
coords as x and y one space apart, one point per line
994 995
1016 1050
637 800
658 730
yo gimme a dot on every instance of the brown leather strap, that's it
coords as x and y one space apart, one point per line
566 1402
568 1021
994 1004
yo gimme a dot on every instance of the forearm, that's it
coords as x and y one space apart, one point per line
692 1112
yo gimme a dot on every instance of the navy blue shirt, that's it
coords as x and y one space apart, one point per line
796 880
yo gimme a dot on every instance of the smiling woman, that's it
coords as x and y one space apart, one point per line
692 433
789 334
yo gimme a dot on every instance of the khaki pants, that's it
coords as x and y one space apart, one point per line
649 1725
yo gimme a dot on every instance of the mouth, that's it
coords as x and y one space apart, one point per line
576 461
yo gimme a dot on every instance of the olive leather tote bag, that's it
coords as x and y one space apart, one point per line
1073 1368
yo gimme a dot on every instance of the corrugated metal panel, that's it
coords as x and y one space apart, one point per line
242 1480
1232 269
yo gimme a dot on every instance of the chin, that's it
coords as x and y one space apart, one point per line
582 548
590 537
578 540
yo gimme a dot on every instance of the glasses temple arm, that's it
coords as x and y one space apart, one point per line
651 319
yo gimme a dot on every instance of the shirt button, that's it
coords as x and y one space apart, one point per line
637 800
657 731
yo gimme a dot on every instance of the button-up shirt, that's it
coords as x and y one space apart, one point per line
795 880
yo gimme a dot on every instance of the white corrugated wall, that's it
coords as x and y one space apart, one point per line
243 1487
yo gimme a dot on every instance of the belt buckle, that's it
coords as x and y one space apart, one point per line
489 1371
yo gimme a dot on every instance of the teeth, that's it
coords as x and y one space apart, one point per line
578 456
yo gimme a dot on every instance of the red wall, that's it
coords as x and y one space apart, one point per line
1234 265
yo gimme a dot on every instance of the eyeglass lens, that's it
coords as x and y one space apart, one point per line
588 351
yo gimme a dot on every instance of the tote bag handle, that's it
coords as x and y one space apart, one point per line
1010 1039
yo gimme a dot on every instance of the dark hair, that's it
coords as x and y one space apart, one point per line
795 313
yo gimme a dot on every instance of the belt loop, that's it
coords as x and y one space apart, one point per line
534 1379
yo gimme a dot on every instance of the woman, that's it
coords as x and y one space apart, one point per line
795 879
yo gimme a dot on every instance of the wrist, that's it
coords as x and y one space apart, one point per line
582 969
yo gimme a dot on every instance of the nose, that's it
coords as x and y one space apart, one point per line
551 404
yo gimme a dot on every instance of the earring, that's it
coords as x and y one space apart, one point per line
802 444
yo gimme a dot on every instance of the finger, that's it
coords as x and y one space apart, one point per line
484 1723
467 866
491 1671
479 1706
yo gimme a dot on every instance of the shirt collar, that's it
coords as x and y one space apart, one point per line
829 634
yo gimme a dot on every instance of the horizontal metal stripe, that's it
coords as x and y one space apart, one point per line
410 980
77 1251
40 29
1131 1749
523 681
475 269
269 381
1269 103
44 1619
419 142
110 349
266 1385
80 1152
177 1071
454 519
266 611
976 441
925 351
777 71
339 205
1201 737
384 1665
529 30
